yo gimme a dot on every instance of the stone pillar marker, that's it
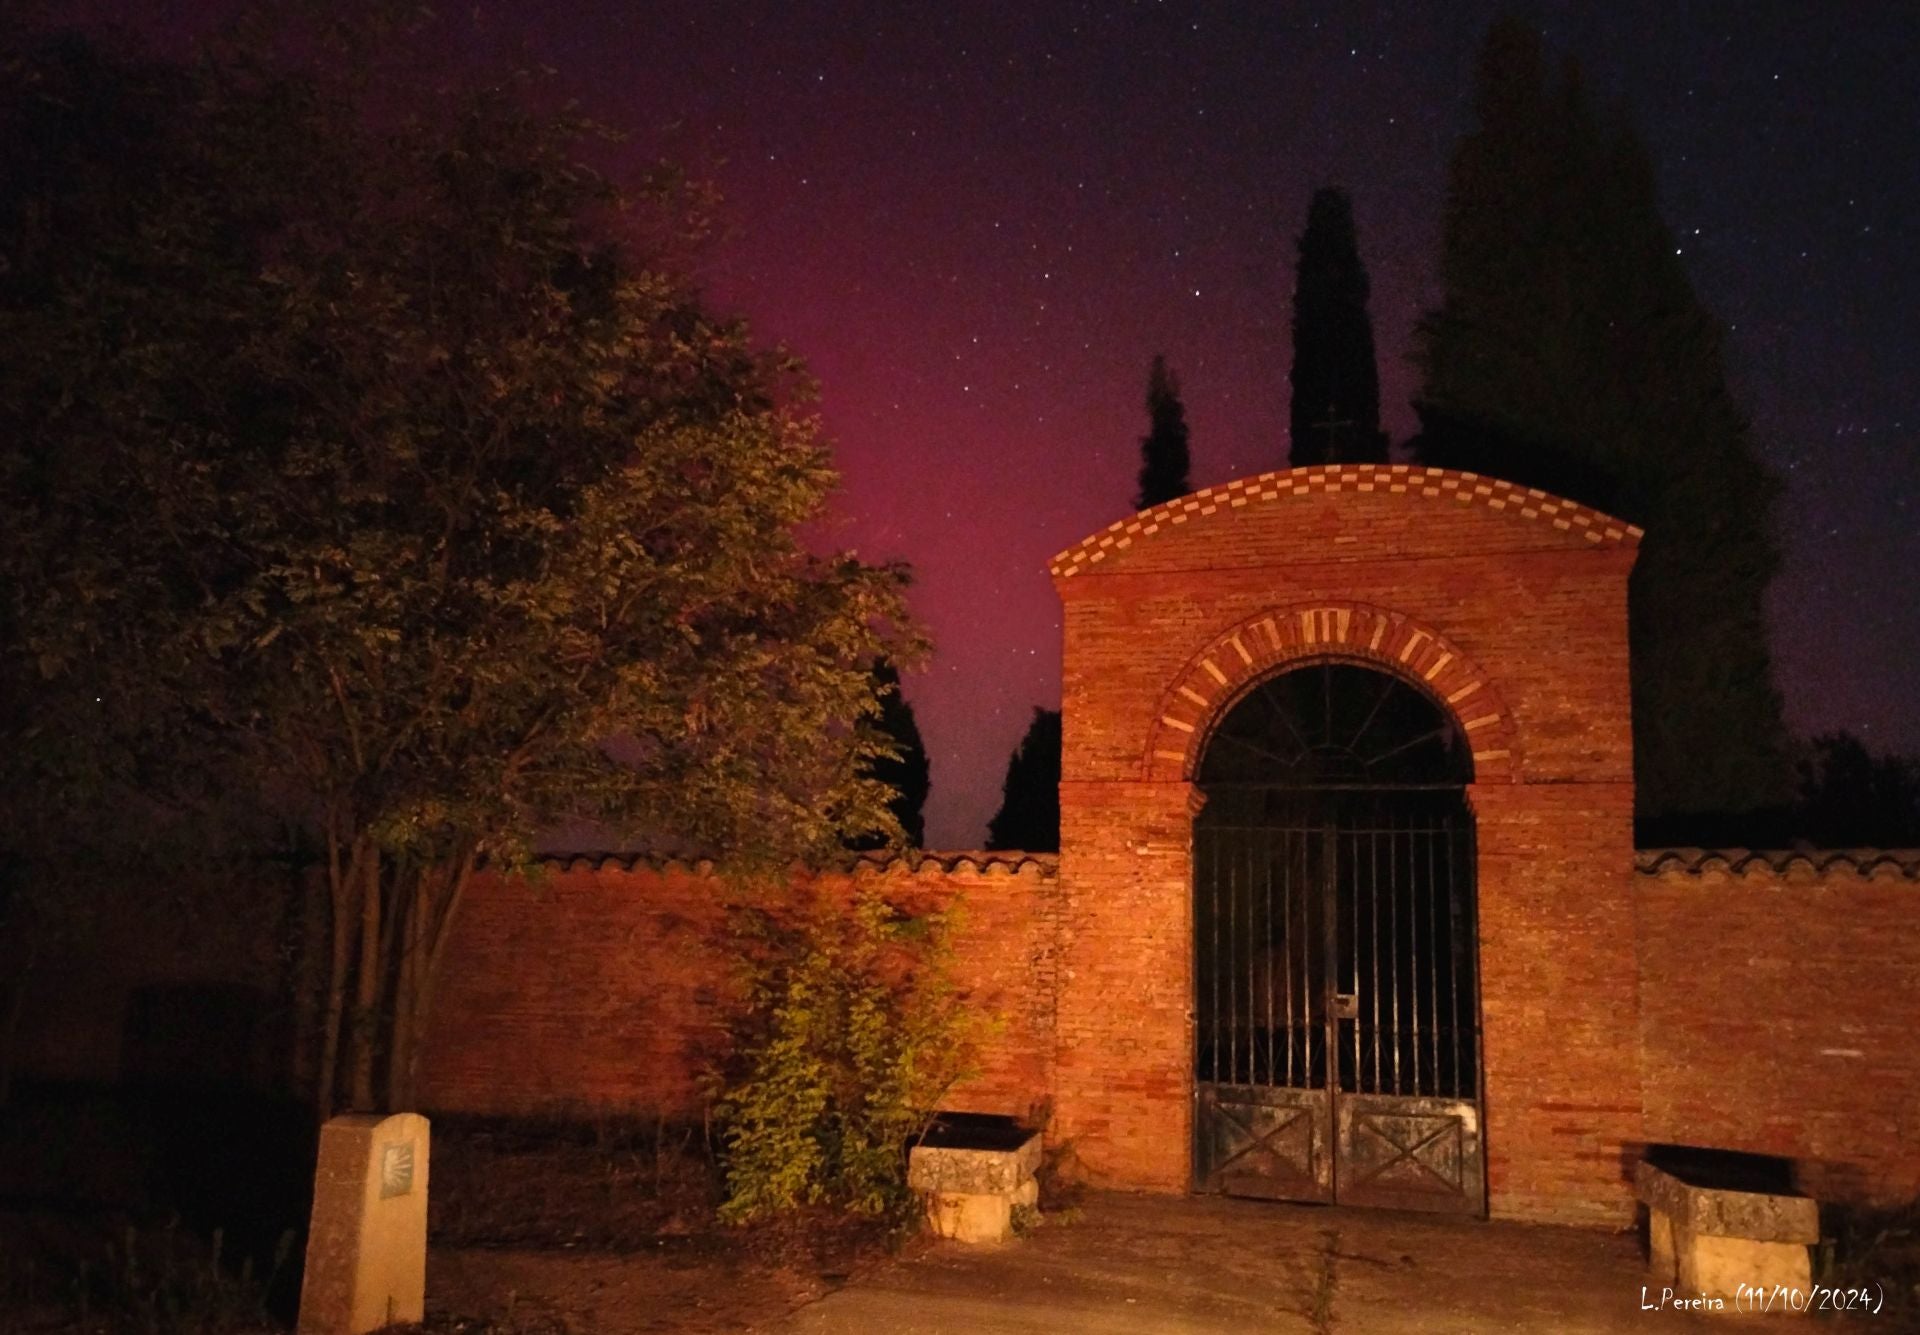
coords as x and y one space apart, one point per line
367 1240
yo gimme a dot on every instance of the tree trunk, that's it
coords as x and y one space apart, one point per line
340 885
434 925
366 1007
406 912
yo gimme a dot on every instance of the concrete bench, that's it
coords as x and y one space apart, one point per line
1710 1242
973 1177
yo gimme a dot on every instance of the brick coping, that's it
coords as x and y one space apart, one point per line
1901 862
914 862
1320 479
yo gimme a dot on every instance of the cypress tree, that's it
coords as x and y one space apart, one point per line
1029 815
1163 450
909 775
1335 412
1571 353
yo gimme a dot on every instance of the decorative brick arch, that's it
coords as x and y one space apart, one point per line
1305 632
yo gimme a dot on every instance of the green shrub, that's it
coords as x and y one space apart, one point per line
851 1036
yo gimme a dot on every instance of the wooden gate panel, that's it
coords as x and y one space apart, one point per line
1275 1144
1410 1154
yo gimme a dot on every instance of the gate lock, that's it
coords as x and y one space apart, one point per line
1346 1006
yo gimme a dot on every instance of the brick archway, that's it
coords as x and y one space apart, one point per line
1305 632
1375 567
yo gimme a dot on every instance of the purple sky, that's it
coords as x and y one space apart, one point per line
978 223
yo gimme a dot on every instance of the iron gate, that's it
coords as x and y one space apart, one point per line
1336 1010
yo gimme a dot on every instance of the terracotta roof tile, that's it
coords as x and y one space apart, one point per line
1593 525
1899 862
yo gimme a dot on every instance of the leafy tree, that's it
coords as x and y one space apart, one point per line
1163 450
1335 412
1852 798
906 772
1570 353
373 459
1029 815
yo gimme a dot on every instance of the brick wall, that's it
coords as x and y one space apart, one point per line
1780 1011
1558 999
1124 1063
1778 997
1769 1006
600 985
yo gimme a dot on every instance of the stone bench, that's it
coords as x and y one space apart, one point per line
973 1175
1709 1242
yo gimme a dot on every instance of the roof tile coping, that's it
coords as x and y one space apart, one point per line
1904 862
1901 862
1532 503
914 862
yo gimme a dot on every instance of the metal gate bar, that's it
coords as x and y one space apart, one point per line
1405 948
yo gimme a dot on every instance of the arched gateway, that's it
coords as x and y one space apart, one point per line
1346 829
1336 1040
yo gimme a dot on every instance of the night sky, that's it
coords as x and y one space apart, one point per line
978 223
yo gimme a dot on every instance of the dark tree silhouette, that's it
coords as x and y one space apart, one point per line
1571 353
1163 450
1029 815
1851 798
453 475
909 773
1335 415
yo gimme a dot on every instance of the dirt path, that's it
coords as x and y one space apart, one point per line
1123 1265
559 1291
1135 1264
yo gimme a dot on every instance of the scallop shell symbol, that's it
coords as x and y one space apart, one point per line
396 1169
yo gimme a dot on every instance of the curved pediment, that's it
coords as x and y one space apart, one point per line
1414 496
